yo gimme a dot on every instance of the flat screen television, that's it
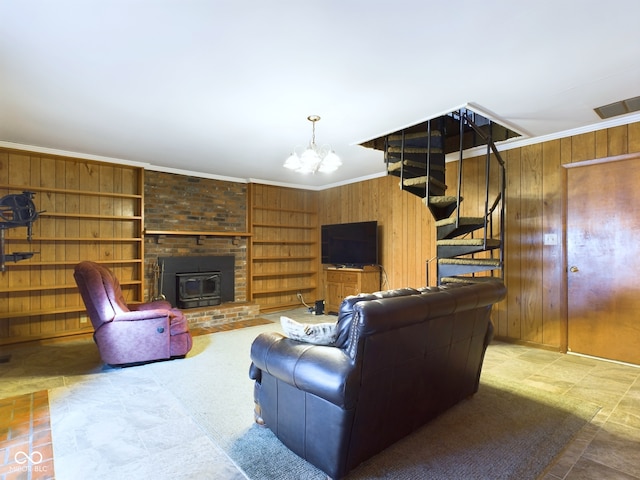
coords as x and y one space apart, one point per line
350 244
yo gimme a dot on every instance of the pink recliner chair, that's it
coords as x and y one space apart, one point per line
129 334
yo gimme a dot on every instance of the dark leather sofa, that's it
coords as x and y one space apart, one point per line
401 358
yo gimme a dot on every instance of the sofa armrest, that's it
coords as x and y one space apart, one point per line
141 315
324 371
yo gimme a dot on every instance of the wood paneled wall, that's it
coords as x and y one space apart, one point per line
535 308
533 312
90 211
284 252
406 228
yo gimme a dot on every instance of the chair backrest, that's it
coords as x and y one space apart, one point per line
100 291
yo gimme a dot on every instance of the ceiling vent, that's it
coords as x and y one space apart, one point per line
619 108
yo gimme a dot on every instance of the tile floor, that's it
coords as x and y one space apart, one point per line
26 448
609 447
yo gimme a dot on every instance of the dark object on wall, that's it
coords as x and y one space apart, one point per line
16 210
350 244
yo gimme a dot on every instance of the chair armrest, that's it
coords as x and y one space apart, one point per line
322 370
155 305
141 315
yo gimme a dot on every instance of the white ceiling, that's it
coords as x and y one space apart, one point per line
224 87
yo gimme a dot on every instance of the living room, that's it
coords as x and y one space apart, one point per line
533 312
150 135
539 321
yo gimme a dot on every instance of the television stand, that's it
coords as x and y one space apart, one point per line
340 282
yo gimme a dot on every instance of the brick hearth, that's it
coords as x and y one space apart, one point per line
204 317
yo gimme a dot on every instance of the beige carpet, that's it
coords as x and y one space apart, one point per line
503 432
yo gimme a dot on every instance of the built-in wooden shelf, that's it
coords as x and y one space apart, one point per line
87 211
43 288
297 288
90 216
27 263
285 246
197 233
284 210
48 311
300 273
69 191
284 242
285 258
84 239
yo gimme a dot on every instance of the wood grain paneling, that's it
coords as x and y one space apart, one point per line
90 211
533 312
535 308
406 228
530 244
553 267
285 239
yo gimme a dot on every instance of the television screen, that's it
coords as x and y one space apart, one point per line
350 244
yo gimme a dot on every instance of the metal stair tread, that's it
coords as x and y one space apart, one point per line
491 242
463 221
422 180
393 149
413 136
441 200
488 262
418 159
395 166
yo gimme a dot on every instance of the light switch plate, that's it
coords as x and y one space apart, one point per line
550 239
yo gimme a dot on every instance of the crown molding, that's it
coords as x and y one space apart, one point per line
473 152
520 142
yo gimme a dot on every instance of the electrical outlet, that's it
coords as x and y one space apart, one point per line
550 239
83 319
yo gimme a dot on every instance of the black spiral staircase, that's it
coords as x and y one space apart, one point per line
468 248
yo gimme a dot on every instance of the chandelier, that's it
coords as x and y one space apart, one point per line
314 159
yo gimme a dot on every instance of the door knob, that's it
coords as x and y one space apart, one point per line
573 269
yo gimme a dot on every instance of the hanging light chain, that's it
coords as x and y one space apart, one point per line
313 119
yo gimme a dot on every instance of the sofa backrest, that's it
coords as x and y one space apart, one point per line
369 314
346 312
419 353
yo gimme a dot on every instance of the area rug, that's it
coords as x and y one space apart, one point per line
503 432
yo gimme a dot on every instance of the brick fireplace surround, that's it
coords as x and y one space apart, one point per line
179 203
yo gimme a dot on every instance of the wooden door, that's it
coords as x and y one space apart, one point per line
603 259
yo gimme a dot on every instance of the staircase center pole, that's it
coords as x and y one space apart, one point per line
461 143
486 191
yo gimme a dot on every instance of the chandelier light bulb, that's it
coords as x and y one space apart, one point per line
313 159
293 162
